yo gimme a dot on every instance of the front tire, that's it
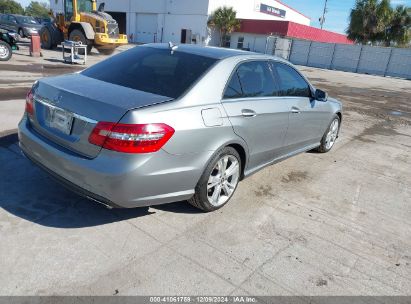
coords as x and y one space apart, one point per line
106 52
330 136
21 33
78 36
219 181
5 51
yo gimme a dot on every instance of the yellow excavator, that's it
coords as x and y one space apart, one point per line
81 21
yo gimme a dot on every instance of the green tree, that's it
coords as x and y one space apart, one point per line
375 21
365 22
224 19
11 7
37 9
399 27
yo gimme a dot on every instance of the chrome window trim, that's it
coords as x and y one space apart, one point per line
49 104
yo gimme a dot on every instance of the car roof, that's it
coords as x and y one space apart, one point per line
211 52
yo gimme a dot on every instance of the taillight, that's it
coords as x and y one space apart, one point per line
30 103
131 138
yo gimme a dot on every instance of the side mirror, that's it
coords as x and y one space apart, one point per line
320 95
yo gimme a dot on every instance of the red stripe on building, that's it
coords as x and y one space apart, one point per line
291 30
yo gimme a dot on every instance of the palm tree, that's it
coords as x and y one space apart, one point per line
375 21
400 26
224 19
366 20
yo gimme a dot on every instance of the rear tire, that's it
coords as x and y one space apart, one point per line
5 51
46 39
219 181
330 135
79 36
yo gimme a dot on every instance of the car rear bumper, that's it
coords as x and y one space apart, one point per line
117 179
71 186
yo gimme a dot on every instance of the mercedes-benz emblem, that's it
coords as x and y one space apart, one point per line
57 99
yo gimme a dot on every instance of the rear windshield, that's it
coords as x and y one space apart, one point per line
152 70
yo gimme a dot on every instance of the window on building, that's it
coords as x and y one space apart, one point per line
227 41
240 43
291 83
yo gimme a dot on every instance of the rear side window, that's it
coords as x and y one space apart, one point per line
254 78
233 89
152 70
290 82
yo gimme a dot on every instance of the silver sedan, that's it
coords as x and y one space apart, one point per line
162 123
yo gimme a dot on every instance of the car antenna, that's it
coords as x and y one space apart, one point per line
172 47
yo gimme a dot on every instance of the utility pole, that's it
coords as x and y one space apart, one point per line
322 19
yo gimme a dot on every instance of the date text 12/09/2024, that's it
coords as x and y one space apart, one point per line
203 299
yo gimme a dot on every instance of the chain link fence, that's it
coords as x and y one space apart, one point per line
372 60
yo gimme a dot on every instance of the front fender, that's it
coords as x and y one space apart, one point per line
87 29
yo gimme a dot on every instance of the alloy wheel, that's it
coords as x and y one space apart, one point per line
332 134
223 180
4 51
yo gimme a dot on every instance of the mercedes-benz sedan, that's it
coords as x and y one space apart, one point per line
162 123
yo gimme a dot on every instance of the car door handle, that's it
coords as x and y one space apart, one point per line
295 110
248 113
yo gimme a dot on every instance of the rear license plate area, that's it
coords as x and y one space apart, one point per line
60 120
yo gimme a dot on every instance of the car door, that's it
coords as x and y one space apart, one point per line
3 20
13 25
256 115
6 22
304 111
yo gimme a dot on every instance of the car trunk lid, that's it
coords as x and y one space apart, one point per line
68 107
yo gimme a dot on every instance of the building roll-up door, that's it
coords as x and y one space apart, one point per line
146 28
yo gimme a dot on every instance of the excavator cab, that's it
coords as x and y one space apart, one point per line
68 10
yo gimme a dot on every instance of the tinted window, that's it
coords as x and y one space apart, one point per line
233 89
291 83
256 79
152 70
28 20
84 6
68 4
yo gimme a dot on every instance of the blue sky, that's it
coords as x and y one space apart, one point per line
338 13
336 18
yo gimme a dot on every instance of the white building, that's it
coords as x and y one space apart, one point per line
146 21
